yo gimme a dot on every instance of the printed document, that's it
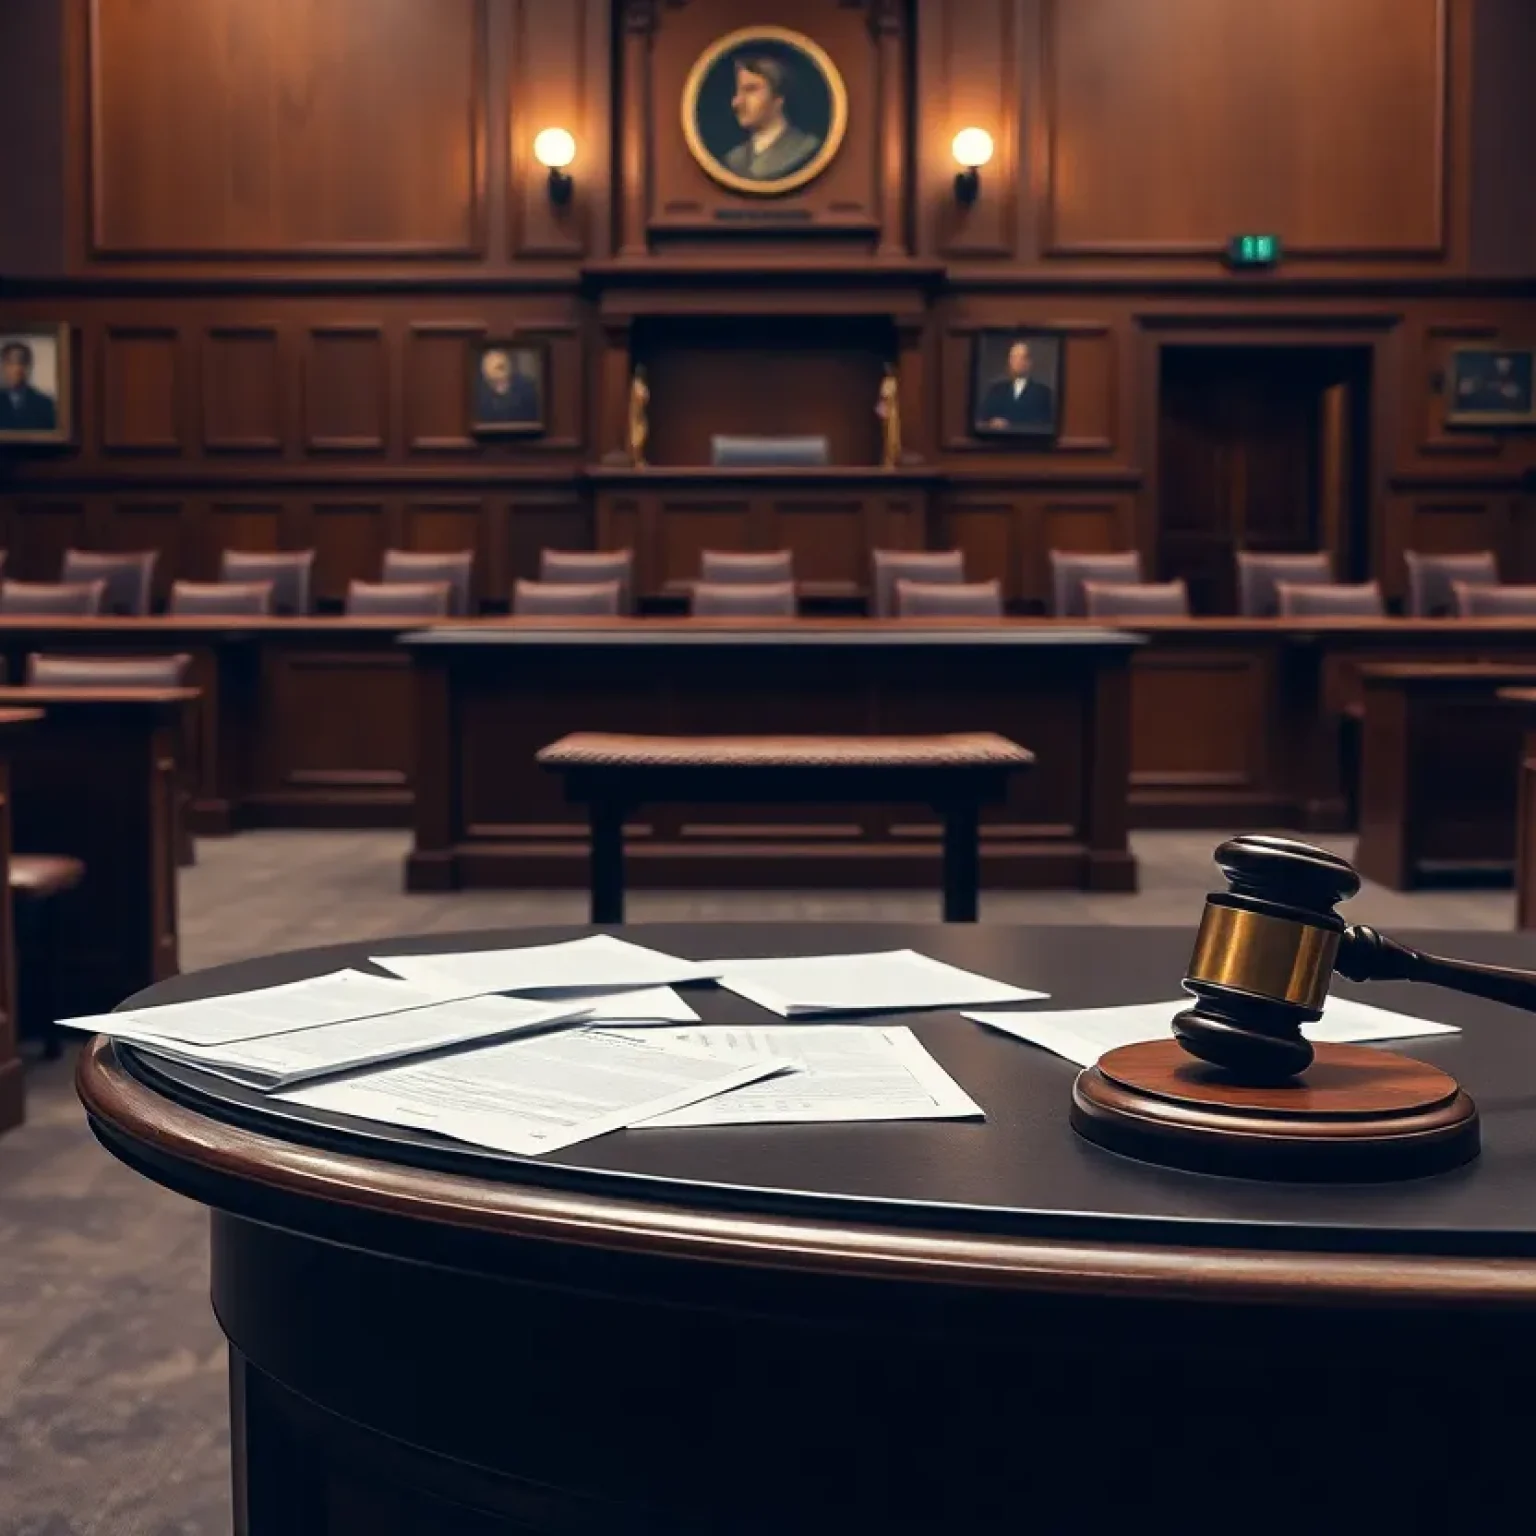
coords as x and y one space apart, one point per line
840 1072
796 987
274 1061
537 1094
647 1005
1083 1035
330 999
600 962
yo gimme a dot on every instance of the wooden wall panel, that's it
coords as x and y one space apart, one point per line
971 60
349 538
41 530
288 129
235 522
829 538
436 375
687 527
449 525
242 389
989 530
557 81
1224 746
1173 126
346 389
141 390
532 522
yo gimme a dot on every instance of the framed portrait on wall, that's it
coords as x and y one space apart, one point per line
1491 387
508 388
1016 385
764 110
36 387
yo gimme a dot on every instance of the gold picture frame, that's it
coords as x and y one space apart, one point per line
716 134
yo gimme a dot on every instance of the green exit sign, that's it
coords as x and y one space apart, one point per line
1253 250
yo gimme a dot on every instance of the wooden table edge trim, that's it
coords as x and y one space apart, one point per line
1049 1266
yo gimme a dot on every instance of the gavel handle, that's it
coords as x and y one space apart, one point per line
1365 955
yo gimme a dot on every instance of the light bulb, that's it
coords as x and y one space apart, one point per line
554 148
972 148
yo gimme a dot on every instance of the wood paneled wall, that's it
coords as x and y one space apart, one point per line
277 229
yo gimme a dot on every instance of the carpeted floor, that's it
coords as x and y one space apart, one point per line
113 1417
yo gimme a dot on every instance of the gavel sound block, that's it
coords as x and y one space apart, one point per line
1239 1089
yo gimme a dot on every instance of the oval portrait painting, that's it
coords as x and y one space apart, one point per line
764 110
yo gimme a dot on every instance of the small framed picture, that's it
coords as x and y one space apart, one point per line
1491 387
508 386
36 394
1016 384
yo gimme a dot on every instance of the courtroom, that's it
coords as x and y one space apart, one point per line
807 727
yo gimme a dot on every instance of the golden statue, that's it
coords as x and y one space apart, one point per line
639 420
889 411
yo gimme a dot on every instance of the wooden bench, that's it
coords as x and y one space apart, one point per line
614 775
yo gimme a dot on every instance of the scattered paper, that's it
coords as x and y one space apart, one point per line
599 962
330 999
537 1094
839 1072
646 1005
274 1061
871 983
1084 1034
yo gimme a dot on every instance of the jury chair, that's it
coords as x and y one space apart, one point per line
290 571
127 575
928 565
553 598
1071 569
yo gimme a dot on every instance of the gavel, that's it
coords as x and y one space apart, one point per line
1268 945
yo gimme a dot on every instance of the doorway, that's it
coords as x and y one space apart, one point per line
1261 448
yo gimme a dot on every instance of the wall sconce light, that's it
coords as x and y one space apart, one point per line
554 149
972 149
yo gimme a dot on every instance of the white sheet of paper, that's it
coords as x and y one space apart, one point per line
537 1094
1084 1034
330 999
274 1061
841 1072
645 1005
599 961
800 986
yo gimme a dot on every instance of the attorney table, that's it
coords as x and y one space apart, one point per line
882 1327
490 696
1438 772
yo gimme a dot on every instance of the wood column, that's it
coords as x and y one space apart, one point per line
634 162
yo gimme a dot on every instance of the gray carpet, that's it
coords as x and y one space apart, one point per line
113 1416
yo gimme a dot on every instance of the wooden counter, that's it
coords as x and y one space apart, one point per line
1235 723
1439 773
1522 703
96 779
15 724
492 696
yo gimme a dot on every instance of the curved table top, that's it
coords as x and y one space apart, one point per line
1019 1199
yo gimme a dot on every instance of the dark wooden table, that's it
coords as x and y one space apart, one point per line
96 780
615 776
893 1327
492 695
1234 723
1523 702
14 726
1438 773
